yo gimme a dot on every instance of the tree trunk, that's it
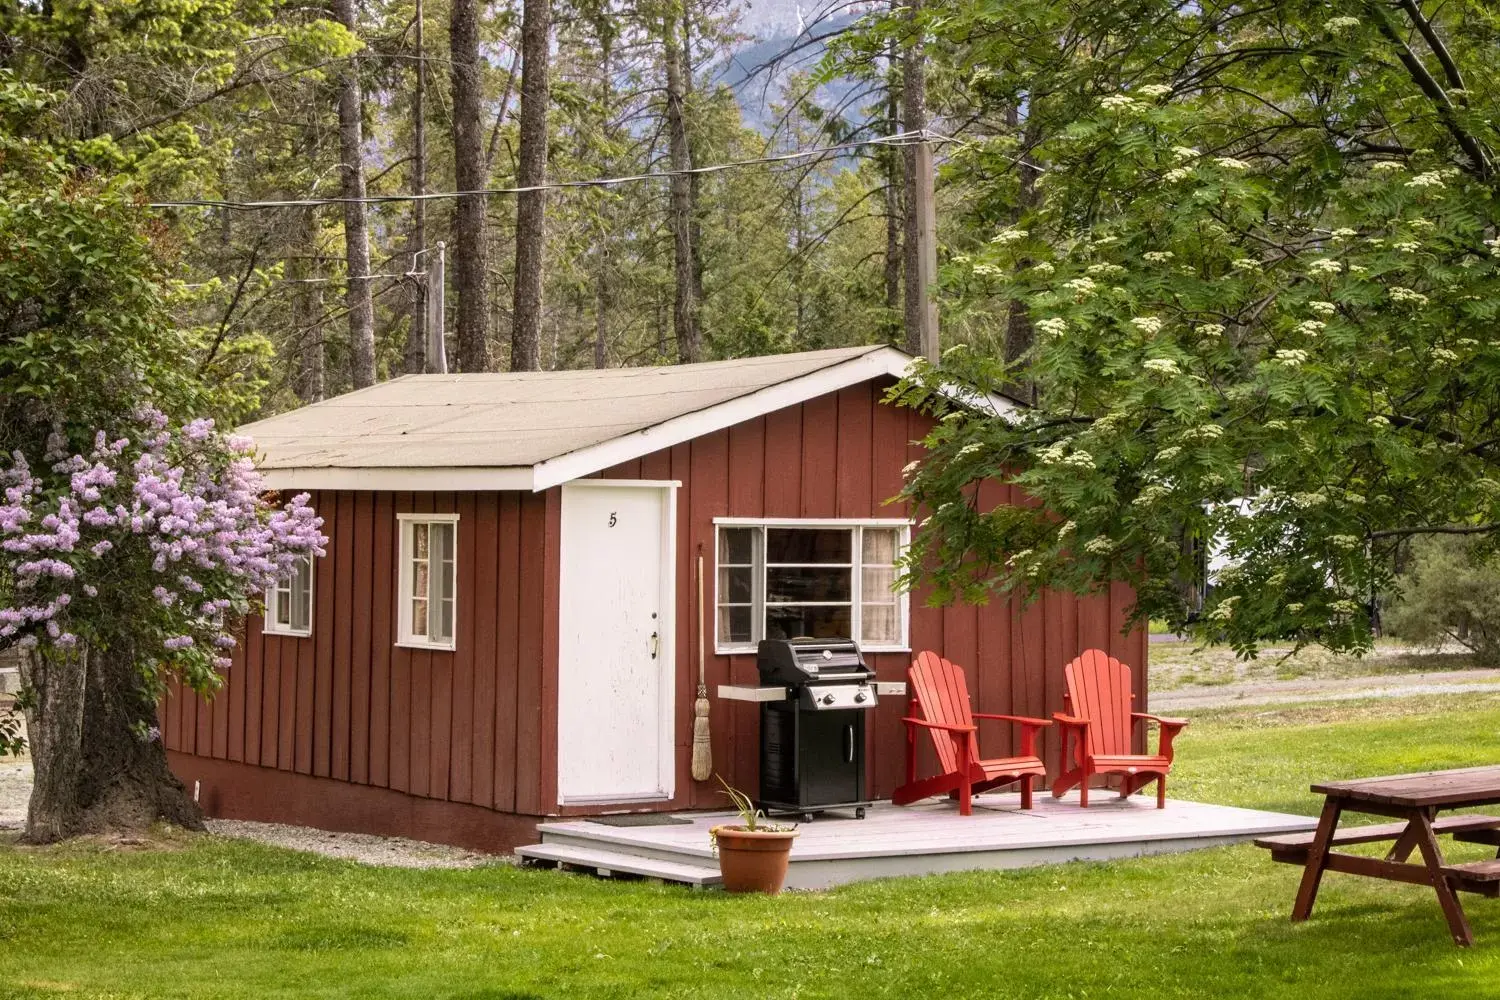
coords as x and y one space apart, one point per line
684 307
471 246
1019 333
307 310
894 213
695 214
414 360
356 233
531 171
96 749
913 119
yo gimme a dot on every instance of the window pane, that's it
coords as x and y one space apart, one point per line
807 585
880 545
880 624
419 541
735 585
419 617
737 545
878 583
735 625
808 545
444 631
419 579
283 606
301 595
816 622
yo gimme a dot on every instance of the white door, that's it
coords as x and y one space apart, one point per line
615 650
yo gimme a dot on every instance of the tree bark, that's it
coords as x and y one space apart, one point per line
1019 332
913 119
531 171
685 306
414 360
96 749
471 246
307 310
695 213
894 211
356 233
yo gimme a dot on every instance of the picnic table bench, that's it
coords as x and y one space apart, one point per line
1415 800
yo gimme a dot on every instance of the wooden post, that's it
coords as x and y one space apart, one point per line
927 250
437 351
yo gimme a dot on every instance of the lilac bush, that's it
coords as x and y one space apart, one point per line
159 534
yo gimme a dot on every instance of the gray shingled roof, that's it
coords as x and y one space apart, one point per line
513 419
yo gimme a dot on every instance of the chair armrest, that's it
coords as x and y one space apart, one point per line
938 725
1024 720
1162 721
1069 720
1029 728
1169 730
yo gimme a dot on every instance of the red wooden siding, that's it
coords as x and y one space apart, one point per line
477 727
347 704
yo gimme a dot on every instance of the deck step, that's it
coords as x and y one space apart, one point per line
606 863
1475 829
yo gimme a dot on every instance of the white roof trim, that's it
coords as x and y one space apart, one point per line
402 479
627 447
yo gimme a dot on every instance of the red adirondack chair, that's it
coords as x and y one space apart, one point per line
940 704
1098 724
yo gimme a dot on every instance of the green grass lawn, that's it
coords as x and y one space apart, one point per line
200 917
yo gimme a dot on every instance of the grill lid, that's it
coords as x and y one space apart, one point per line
810 661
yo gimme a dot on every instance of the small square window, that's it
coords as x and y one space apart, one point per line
429 580
289 601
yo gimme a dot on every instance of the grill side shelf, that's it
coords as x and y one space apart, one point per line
746 692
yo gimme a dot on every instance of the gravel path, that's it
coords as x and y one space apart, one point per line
1329 689
394 852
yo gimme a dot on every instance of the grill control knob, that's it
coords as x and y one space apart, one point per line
828 699
859 697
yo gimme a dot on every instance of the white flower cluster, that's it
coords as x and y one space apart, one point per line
1399 294
1378 420
1157 256
1167 454
1204 432
1009 236
988 270
1081 288
1245 264
1212 329
1291 358
1106 270
1344 234
1445 355
1303 501
1099 546
1117 102
1311 327
1344 541
1494 246
1154 90
1323 265
1150 325
1162 366
1151 494
1408 246
1339 25
1177 174
1387 165
1230 163
1052 326
1184 153
1323 308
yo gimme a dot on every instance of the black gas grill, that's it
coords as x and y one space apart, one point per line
812 743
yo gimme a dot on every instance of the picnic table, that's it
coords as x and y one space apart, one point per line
1415 800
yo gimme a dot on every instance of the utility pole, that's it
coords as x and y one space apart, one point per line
437 349
927 315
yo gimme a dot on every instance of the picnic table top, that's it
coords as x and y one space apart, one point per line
1465 786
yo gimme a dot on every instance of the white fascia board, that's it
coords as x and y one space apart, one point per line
586 461
405 479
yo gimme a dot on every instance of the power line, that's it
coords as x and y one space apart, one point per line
899 139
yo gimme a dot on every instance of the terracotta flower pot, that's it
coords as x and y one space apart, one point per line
753 862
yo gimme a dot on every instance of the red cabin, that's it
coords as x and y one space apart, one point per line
505 626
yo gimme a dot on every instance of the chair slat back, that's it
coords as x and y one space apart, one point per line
1099 691
942 696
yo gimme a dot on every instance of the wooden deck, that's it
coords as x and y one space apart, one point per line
923 839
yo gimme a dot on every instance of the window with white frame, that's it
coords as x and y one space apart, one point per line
289 601
781 580
428 579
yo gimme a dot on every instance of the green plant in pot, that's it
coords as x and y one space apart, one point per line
753 854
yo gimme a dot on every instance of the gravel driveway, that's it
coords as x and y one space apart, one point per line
395 852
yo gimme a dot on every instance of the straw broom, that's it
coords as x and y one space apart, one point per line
703 756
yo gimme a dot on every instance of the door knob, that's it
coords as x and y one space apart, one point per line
655 644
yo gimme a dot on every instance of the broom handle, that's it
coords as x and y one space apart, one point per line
702 682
